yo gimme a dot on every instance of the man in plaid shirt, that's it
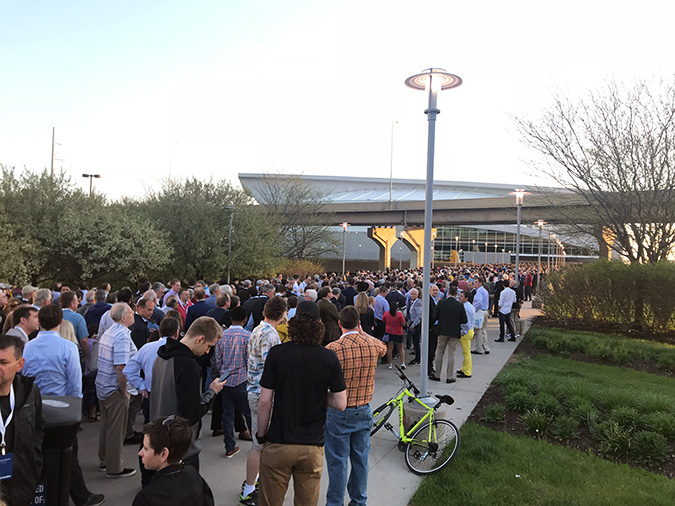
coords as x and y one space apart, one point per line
347 433
231 357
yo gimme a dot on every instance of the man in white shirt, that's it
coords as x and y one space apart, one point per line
481 305
506 300
26 322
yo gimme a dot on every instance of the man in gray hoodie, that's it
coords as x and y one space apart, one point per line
176 380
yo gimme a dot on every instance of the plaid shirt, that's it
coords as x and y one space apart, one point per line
232 354
358 356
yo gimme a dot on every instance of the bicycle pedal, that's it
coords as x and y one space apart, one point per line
388 426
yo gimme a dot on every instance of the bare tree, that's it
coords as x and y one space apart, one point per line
615 149
295 206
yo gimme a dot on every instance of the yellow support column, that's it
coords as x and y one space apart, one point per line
414 239
385 239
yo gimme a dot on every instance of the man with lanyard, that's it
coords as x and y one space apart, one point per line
21 407
347 433
481 303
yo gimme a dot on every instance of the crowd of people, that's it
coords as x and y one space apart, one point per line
287 363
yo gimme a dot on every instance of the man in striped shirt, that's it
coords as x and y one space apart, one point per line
347 433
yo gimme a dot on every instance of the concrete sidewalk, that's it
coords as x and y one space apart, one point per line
390 482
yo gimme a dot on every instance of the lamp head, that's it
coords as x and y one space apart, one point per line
540 223
433 79
520 194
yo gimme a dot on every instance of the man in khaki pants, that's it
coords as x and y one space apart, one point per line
115 348
481 303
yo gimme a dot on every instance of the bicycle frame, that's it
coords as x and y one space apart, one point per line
428 416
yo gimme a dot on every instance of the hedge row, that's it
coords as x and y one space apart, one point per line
635 296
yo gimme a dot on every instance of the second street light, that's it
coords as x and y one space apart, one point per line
344 245
540 225
520 194
91 179
432 81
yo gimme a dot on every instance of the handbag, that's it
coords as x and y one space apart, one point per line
385 338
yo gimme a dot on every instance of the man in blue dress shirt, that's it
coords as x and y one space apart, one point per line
55 365
69 303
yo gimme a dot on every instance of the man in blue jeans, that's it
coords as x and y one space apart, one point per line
347 433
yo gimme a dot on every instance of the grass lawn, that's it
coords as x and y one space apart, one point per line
485 470
612 349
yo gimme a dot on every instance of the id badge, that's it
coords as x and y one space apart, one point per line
6 465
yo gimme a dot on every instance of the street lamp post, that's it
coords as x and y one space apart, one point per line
540 225
456 250
495 253
229 244
486 253
91 179
391 164
519 194
473 251
344 245
431 80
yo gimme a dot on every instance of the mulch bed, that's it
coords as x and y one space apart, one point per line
585 442
665 338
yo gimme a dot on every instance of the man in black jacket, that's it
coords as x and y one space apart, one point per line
176 381
25 444
450 314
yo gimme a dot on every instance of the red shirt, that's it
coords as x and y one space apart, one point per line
394 324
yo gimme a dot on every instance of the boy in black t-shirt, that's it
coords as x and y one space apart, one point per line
165 442
298 375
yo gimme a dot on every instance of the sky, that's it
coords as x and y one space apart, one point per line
140 91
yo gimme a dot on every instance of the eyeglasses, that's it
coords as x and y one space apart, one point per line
167 422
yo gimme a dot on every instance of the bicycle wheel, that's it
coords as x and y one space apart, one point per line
433 446
380 415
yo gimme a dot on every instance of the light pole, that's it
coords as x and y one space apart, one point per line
431 80
359 252
91 179
456 250
391 164
344 245
486 253
540 225
548 264
400 255
473 251
495 253
229 244
503 256
520 194
459 253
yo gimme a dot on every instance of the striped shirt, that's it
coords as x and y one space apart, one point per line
115 347
262 339
232 354
358 356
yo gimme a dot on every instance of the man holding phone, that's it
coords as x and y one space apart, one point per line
176 380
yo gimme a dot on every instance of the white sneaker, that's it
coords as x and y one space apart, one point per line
402 366
389 367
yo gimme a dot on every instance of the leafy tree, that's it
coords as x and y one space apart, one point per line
615 149
54 231
194 216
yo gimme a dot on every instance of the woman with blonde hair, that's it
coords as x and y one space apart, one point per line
366 313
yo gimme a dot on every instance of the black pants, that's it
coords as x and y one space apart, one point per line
78 488
417 329
505 319
380 329
528 293
433 341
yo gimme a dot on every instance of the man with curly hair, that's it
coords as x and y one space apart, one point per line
302 378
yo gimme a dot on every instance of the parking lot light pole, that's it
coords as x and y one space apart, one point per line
431 80
519 194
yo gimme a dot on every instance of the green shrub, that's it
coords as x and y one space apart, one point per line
565 428
650 402
580 389
649 448
494 413
666 362
547 404
513 378
627 418
612 397
614 440
663 423
519 400
622 355
541 342
535 422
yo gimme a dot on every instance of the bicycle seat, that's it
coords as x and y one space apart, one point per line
446 399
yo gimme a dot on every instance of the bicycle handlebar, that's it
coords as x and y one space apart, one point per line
405 379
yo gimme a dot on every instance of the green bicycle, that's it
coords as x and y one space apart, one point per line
429 444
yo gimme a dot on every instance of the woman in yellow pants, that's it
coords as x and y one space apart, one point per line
467 335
